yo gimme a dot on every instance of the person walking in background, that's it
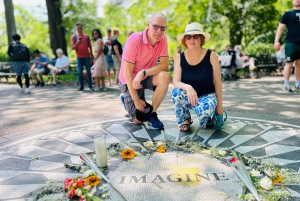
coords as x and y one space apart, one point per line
291 20
116 53
108 57
99 65
39 68
62 65
81 43
140 70
197 79
19 54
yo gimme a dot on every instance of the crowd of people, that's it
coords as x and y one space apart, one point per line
197 71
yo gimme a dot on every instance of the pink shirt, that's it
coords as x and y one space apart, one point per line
139 52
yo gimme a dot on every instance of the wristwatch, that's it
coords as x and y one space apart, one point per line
144 72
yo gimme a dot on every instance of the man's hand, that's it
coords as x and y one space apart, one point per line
277 45
137 80
140 105
37 62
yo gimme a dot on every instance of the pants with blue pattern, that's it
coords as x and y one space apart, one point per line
204 109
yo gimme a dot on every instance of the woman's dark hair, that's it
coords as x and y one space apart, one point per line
99 34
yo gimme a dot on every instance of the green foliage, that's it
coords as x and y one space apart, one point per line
259 48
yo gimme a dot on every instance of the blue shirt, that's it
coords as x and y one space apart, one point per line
42 59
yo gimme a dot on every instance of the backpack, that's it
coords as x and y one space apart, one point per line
105 50
19 51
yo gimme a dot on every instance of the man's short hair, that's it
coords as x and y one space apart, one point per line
36 52
59 50
78 23
16 37
159 14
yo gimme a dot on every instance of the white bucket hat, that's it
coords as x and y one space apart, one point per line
193 28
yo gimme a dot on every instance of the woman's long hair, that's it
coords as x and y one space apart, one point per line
99 34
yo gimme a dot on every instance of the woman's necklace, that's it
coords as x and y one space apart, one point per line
194 60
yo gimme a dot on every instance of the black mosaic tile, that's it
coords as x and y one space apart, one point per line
257 152
293 155
52 144
217 135
226 143
15 164
294 166
57 158
249 130
26 178
291 141
131 127
256 141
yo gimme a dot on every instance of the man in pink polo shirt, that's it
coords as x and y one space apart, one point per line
140 70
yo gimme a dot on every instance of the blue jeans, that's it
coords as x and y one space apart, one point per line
109 63
80 63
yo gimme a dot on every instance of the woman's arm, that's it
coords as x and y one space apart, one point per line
100 46
191 93
217 81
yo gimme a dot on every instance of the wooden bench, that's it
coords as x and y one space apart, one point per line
266 63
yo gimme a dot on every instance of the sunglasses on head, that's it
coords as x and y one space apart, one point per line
156 27
189 37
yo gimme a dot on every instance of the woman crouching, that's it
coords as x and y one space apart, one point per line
197 79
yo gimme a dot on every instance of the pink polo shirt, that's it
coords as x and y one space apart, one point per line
139 52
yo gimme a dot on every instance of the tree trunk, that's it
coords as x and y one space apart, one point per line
10 19
56 29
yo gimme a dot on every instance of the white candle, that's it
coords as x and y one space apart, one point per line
101 152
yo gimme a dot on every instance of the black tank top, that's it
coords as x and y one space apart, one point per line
199 76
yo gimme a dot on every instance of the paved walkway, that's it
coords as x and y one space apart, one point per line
54 124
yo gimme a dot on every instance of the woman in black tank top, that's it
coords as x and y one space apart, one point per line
197 79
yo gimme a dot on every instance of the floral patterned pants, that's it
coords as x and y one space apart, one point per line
204 109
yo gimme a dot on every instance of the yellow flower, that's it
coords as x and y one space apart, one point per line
128 154
161 149
92 180
278 179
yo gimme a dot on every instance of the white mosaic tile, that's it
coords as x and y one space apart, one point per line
18 190
239 139
7 174
35 151
75 149
142 134
77 137
3 157
216 142
275 136
245 149
60 176
160 137
110 139
174 132
116 128
205 134
276 149
44 165
280 161
76 160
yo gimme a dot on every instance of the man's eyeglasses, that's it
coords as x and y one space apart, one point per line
189 37
156 27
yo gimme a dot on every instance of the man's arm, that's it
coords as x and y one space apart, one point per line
139 104
73 44
278 35
9 51
117 52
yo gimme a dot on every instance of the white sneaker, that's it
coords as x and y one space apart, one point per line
27 91
21 89
287 88
97 89
104 89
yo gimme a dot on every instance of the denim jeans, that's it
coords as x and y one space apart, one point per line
80 63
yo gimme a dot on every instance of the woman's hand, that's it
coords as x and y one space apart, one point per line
192 96
219 109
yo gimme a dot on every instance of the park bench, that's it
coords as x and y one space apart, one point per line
266 64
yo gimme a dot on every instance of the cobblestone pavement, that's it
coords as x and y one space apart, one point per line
55 123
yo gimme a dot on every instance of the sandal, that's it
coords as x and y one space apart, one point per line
184 127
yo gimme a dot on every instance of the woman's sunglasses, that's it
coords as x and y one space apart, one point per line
189 37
